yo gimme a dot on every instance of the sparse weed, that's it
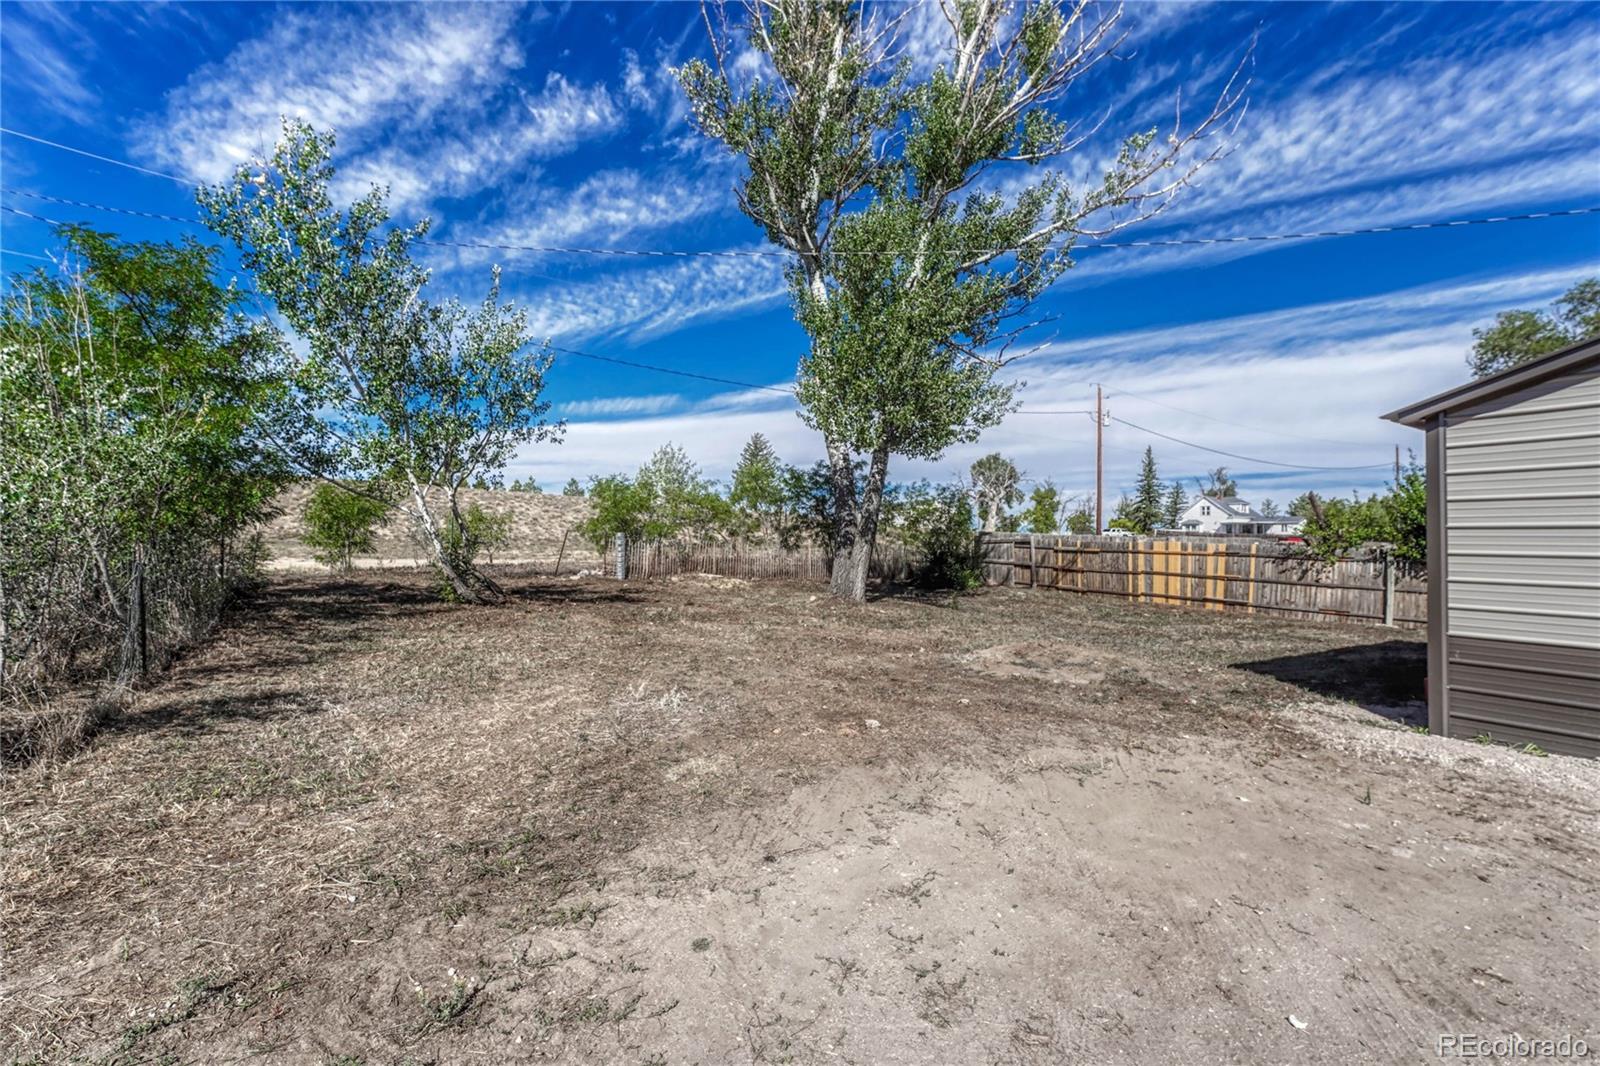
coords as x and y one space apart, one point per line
446 1008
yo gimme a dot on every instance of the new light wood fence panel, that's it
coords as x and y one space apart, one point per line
1257 577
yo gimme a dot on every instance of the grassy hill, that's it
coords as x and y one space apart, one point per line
538 522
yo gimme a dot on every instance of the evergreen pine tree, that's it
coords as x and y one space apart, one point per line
1149 501
1177 503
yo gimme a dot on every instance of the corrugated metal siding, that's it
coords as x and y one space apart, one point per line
1524 536
1521 524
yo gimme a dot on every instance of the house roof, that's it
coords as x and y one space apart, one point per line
1518 377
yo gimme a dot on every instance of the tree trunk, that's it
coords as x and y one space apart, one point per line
853 562
468 585
844 517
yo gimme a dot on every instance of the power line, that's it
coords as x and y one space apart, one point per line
1044 411
758 253
92 155
1235 455
669 370
1223 421
26 255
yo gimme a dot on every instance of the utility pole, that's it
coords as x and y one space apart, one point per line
1397 466
1099 462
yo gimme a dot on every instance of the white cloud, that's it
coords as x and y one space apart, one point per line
461 161
422 99
1431 139
620 405
1306 385
336 70
36 68
605 208
652 301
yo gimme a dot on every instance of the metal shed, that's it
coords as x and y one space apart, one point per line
1514 553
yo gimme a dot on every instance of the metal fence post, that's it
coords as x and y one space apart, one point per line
1388 588
144 633
622 556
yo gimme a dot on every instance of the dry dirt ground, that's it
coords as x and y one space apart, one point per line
704 821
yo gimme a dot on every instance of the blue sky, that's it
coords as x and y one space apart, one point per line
562 125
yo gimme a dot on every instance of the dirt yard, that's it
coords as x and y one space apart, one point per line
703 821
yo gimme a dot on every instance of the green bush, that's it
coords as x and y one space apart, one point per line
339 525
478 531
941 526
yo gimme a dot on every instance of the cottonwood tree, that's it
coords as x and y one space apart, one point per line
396 394
1218 484
1518 336
910 268
995 486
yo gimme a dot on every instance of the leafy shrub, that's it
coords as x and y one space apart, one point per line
339 525
1400 518
941 526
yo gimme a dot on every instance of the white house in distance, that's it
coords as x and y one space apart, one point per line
1214 514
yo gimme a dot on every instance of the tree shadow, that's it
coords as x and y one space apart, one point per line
1386 678
193 717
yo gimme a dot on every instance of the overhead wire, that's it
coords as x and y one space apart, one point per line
1236 455
759 253
1120 390
752 253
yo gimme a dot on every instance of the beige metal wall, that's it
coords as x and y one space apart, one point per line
1522 515
1520 655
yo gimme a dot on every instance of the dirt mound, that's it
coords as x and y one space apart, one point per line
1061 664
539 522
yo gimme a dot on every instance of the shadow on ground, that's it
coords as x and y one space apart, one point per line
195 716
1386 678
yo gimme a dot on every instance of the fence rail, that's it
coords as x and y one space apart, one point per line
1237 574
660 559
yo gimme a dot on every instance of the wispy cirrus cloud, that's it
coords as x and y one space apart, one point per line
1304 386
39 46
351 72
1432 138
425 100
606 208
650 301
621 405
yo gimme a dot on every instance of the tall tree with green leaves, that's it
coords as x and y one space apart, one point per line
135 401
572 487
996 485
396 394
1043 514
757 484
908 275
1518 336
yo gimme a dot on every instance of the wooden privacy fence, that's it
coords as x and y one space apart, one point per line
890 562
1219 574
